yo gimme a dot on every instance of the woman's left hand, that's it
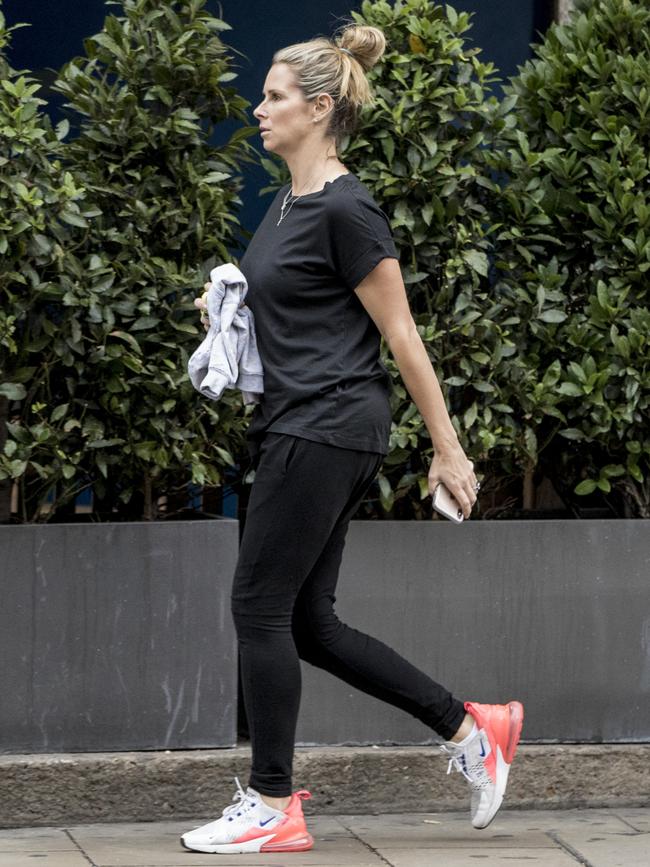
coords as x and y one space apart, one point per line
456 472
201 303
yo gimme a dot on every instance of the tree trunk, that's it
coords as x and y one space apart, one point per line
148 499
562 10
529 488
5 485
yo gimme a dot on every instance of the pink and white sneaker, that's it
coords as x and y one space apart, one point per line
251 825
484 759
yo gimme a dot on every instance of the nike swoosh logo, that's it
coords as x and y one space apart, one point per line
262 824
482 754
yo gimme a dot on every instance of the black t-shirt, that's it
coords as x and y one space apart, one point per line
319 348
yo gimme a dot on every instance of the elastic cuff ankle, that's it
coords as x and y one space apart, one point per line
262 791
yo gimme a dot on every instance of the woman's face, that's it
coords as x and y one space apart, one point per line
285 116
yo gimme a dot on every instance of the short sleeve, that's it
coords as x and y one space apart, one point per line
360 236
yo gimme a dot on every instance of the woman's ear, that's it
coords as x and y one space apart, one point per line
323 105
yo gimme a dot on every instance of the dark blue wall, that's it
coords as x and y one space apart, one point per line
504 30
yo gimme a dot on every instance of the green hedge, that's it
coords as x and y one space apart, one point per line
574 252
41 204
160 210
523 236
421 153
522 226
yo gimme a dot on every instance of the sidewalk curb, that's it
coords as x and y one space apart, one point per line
145 786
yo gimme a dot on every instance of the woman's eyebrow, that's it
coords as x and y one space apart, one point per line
273 90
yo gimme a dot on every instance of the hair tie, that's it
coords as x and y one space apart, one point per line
347 50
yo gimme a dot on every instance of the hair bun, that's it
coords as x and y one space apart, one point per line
366 44
318 66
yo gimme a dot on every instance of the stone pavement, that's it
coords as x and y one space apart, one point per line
593 838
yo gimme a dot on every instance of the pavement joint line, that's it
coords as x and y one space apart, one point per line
367 845
81 850
629 824
568 848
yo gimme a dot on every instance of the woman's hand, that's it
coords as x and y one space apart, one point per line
456 472
201 303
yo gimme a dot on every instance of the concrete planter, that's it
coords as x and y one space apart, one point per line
189 784
555 613
117 636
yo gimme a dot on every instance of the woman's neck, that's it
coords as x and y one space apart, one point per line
309 170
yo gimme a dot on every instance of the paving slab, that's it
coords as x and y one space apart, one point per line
548 821
30 858
140 845
38 839
597 838
47 846
442 831
482 858
639 820
607 849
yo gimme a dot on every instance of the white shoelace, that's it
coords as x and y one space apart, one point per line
244 802
472 769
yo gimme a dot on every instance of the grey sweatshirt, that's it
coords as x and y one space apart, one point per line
228 357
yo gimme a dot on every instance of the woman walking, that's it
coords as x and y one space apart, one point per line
324 284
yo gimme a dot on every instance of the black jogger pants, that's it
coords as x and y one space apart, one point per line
303 496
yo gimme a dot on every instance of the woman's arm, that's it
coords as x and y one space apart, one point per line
383 295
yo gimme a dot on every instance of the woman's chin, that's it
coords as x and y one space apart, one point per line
274 150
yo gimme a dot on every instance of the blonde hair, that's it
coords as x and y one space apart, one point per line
320 66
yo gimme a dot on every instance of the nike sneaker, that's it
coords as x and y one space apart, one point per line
485 758
251 825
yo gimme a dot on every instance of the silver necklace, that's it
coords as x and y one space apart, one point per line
284 203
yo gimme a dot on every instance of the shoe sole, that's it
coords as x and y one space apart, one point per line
259 846
516 722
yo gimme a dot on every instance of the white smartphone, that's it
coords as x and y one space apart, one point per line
446 505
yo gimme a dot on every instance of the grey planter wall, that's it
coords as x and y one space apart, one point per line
555 613
117 636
